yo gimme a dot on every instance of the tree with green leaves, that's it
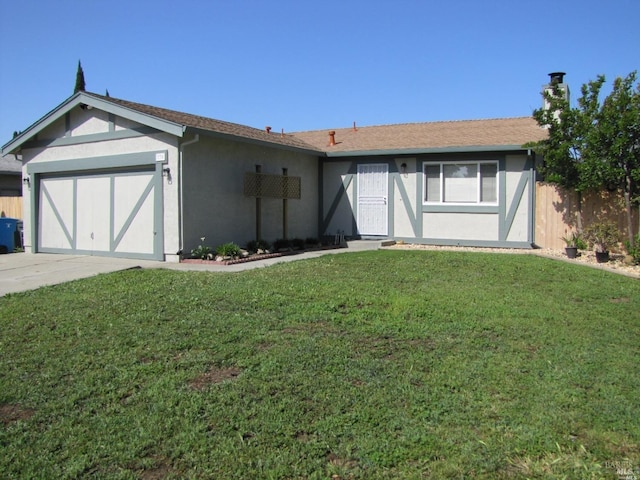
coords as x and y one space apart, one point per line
595 145
80 85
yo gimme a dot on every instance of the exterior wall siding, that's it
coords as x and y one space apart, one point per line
507 223
215 206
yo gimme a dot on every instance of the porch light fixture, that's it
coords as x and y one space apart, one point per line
166 172
403 168
27 181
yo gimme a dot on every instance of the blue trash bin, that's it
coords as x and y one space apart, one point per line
8 228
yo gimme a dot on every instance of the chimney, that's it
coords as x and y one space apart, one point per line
556 79
268 129
332 138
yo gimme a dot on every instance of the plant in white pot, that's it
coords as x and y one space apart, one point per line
602 236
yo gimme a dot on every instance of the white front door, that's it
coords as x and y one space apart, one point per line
373 189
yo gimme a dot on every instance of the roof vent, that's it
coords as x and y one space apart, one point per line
332 138
556 77
268 129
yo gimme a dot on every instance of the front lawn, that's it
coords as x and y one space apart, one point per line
373 365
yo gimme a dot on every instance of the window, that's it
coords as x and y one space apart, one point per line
461 182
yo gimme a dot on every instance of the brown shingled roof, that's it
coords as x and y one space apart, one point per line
425 136
210 124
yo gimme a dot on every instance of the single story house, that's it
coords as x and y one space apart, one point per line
105 176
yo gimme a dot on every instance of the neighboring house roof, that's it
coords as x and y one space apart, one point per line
408 138
9 165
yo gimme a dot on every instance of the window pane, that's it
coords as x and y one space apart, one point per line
432 183
461 182
489 181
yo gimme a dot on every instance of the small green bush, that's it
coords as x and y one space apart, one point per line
201 251
229 250
312 241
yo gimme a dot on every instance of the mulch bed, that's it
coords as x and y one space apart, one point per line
255 257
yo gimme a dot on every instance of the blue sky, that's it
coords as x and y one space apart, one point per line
302 65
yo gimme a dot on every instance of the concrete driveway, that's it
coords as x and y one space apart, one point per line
25 271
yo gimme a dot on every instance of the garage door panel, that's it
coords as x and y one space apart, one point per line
56 203
138 234
93 214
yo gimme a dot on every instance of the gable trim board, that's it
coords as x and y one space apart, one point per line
107 206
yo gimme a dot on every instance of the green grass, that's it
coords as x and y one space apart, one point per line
376 365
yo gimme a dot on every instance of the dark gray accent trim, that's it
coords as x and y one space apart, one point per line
134 212
70 236
92 138
516 200
502 202
475 208
408 207
107 166
67 124
342 191
95 163
426 150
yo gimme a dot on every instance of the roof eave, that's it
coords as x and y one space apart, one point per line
255 141
84 98
422 150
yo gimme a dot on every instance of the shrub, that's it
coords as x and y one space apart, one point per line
311 241
297 244
634 251
602 235
281 244
229 250
201 251
256 245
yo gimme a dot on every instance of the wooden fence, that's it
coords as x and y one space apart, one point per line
557 213
11 207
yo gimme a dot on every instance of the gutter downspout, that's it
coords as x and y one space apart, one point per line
195 139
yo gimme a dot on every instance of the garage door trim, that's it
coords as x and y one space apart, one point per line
108 167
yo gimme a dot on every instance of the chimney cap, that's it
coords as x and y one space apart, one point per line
556 77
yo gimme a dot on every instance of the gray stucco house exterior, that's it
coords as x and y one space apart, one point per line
112 177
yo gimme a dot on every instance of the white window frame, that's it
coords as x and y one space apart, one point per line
477 164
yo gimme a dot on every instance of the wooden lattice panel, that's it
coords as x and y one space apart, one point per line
271 186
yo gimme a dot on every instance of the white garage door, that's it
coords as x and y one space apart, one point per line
111 214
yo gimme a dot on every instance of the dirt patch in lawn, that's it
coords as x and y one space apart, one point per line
214 375
12 413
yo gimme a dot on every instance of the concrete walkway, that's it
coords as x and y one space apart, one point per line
23 271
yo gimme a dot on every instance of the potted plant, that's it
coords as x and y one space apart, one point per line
573 243
602 236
